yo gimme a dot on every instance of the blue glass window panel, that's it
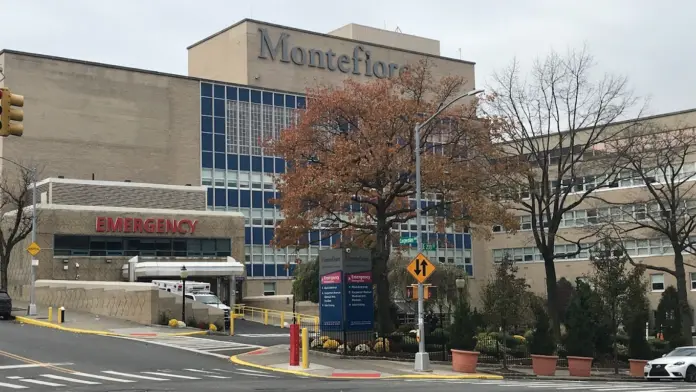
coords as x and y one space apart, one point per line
220 125
267 98
206 106
255 96
258 269
219 91
267 197
256 199
269 269
326 241
244 94
210 197
467 241
232 93
301 102
220 197
232 162
244 198
257 235
207 124
280 165
219 108
469 269
244 163
450 239
267 165
207 160
220 161
206 90
314 237
247 235
207 142
268 235
290 101
248 269
279 99
220 143
291 270
256 163
233 197
459 241
280 268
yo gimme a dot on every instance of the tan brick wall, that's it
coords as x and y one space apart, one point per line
125 196
81 119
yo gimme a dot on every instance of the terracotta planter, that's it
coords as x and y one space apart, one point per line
579 366
544 365
637 367
464 361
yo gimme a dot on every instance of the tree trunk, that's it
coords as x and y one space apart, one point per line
552 297
685 309
614 347
3 274
504 333
379 270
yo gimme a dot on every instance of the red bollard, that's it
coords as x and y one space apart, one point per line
294 345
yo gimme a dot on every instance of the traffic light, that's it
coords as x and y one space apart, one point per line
429 292
11 116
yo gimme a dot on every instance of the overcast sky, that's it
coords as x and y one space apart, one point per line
652 42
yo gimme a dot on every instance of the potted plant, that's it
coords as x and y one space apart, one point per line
639 351
542 345
462 342
580 332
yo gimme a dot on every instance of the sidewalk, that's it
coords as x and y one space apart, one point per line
87 323
276 358
561 374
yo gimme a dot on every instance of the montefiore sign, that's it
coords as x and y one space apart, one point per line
106 224
360 62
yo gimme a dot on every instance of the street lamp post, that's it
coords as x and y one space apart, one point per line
422 361
184 275
31 311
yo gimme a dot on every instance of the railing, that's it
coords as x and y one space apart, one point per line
276 318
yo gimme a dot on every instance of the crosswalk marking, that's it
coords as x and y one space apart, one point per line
100 377
47 383
172 375
13 386
77 380
210 347
133 375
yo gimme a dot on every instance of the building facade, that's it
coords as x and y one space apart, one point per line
98 122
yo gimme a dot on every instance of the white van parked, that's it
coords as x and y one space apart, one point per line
195 291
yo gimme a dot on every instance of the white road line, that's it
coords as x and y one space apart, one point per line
32 365
218 377
99 377
258 375
77 380
171 375
13 386
133 375
263 335
50 384
251 371
199 371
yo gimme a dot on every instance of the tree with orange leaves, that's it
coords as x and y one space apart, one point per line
351 158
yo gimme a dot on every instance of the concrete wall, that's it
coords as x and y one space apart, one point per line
138 302
282 303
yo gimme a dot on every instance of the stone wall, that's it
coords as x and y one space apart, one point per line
138 302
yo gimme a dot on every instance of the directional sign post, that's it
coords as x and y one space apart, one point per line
420 268
33 249
407 240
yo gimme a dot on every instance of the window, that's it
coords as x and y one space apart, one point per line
693 281
269 288
657 282
77 245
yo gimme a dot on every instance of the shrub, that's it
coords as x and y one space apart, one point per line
212 327
462 330
173 323
581 330
331 344
542 340
382 345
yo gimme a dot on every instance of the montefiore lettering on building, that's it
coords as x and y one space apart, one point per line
360 63
149 225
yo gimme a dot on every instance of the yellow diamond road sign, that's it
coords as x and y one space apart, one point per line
421 268
33 249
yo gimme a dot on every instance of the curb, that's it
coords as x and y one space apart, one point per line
568 378
236 360
46 324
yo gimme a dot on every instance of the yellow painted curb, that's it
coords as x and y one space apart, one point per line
235 359
46 324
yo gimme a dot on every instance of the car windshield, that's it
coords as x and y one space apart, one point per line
208 299
683 352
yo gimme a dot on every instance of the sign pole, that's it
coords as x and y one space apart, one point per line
32 294
422 360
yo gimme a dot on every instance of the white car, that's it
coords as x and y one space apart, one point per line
679 364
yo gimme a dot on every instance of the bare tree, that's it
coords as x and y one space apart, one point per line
660 215
557 124
15 218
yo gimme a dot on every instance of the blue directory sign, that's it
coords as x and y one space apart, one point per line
359 302
331 301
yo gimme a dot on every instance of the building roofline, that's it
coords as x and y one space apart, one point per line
139 70
131 210
376 45
76 181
